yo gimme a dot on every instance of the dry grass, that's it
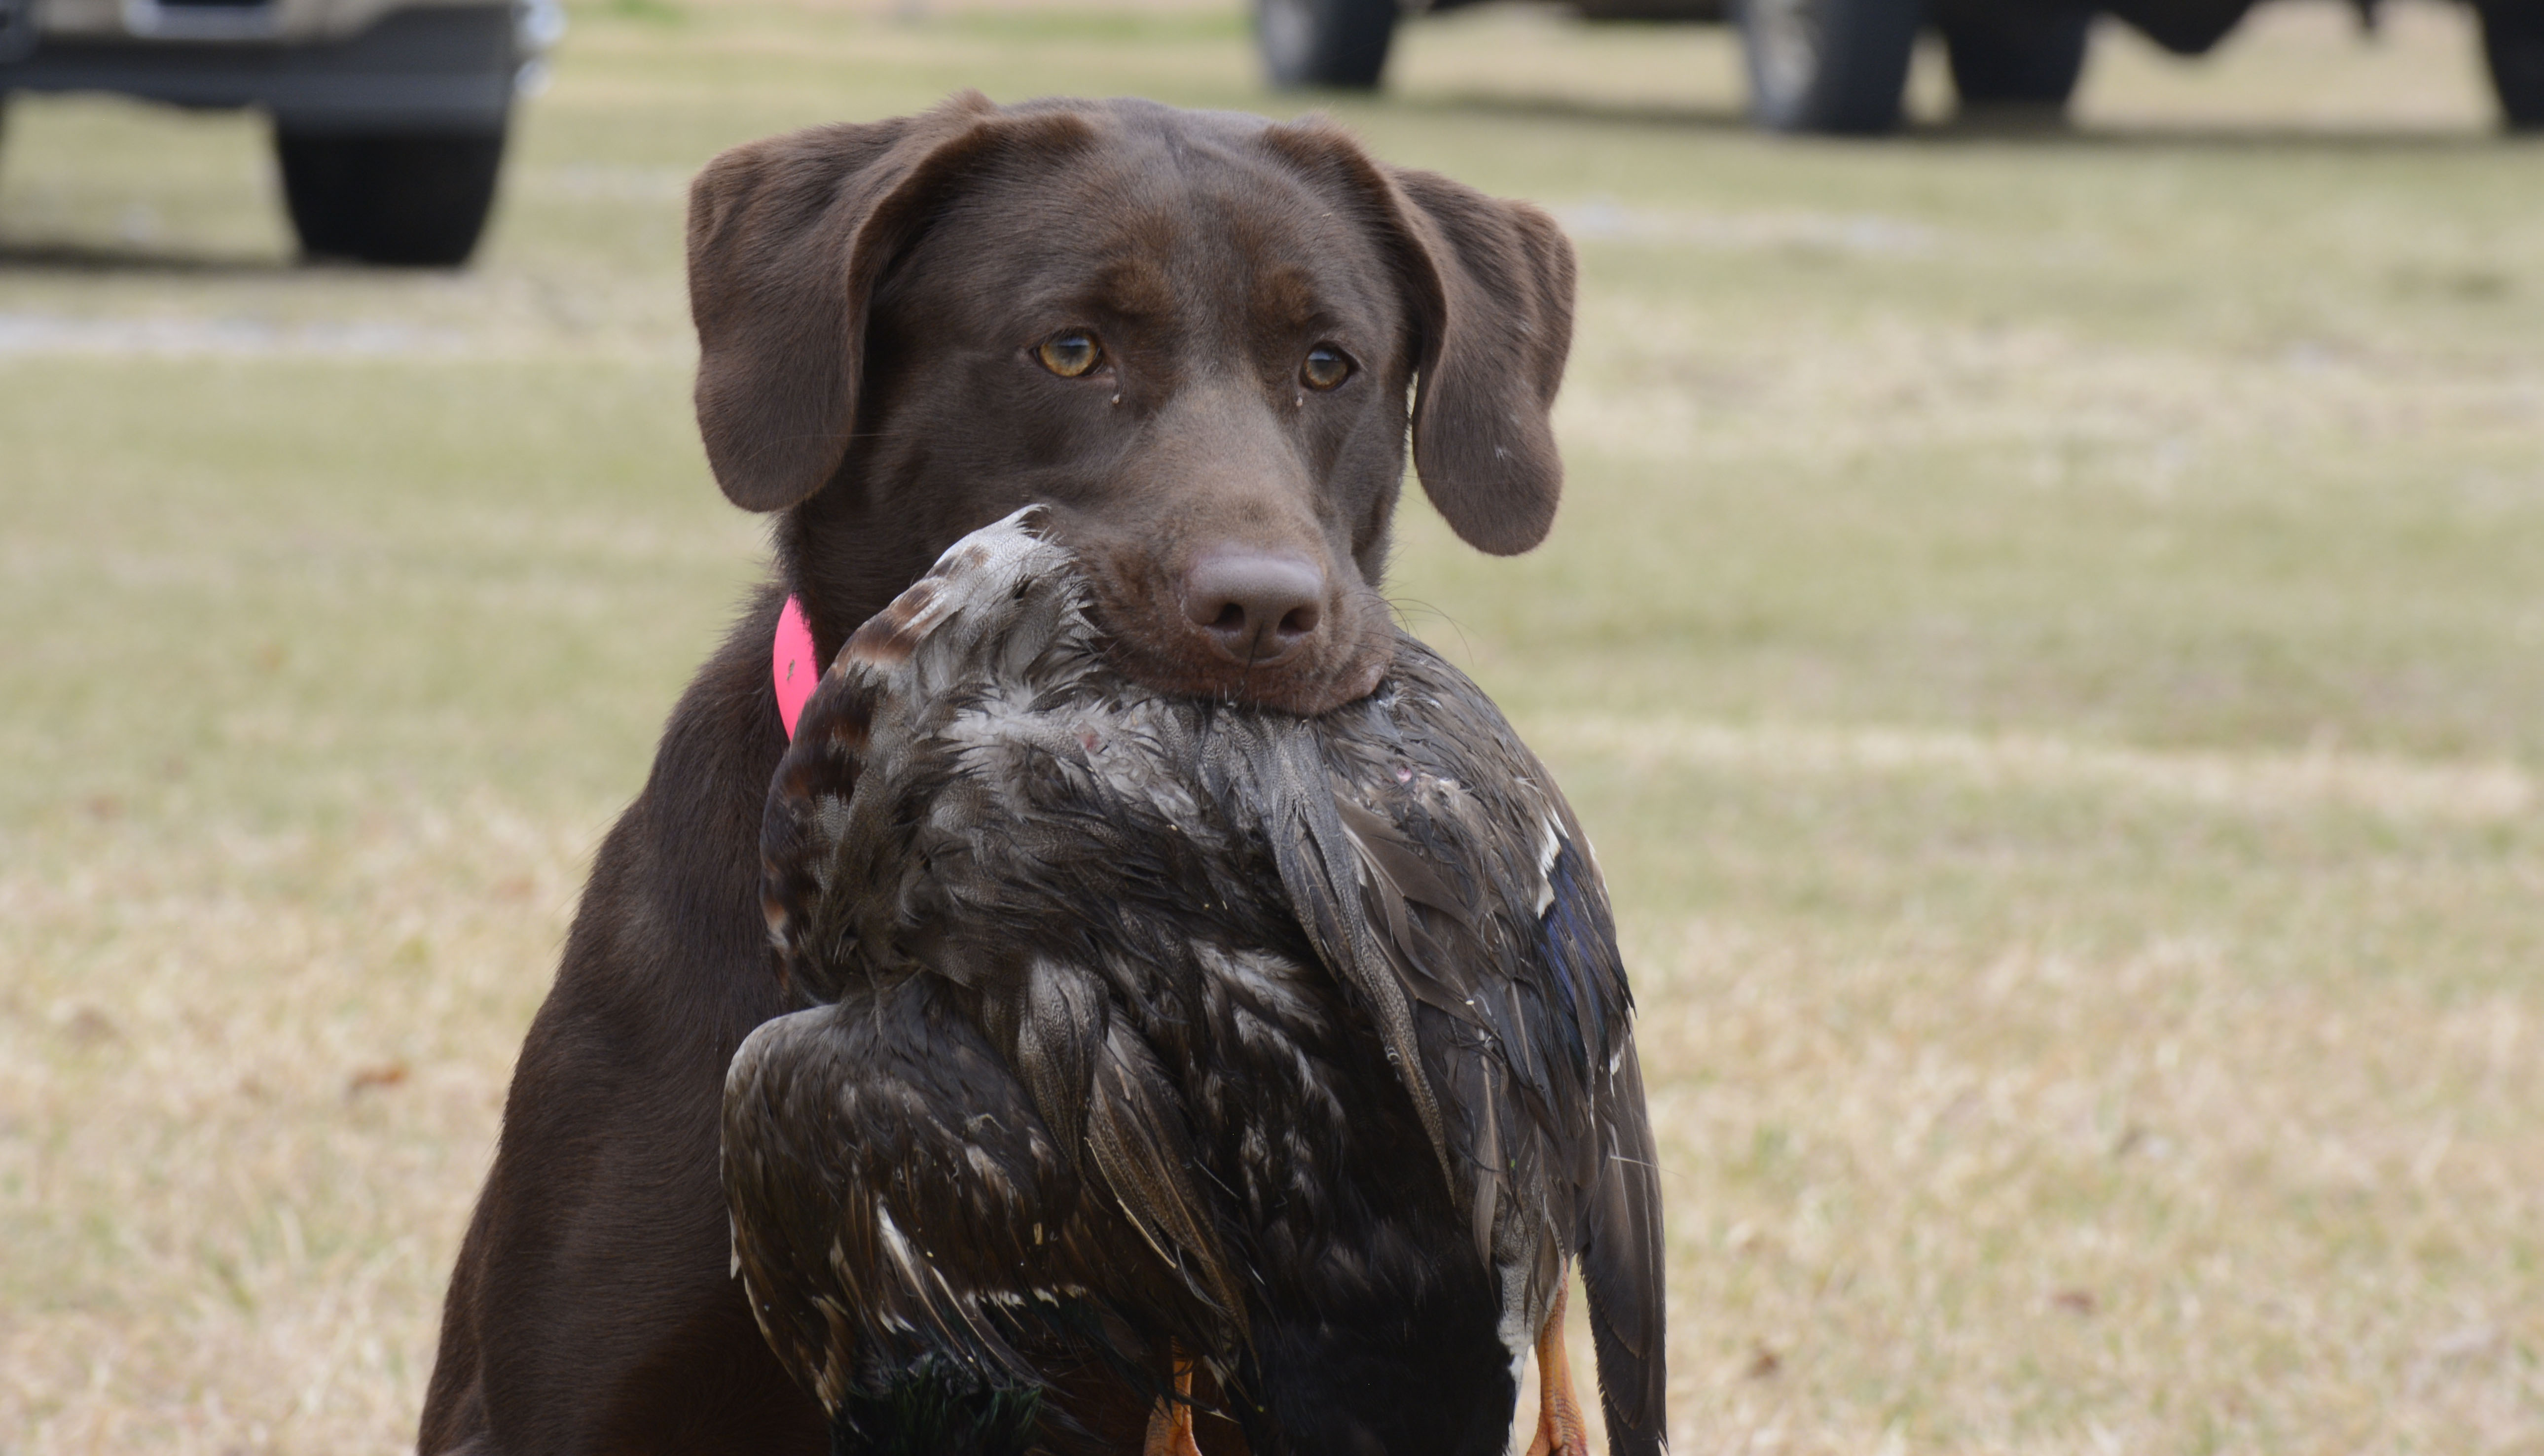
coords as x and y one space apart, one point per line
251 1080
2044 629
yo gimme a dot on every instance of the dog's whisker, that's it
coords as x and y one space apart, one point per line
1404 607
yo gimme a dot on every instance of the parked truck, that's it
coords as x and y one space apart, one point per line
1842 65
390 116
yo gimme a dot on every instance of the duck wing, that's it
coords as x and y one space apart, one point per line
964 1137
1479 891
894 1195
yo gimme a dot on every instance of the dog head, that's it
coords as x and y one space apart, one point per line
1192 335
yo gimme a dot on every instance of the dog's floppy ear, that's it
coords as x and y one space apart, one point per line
1491 286
1494 338
787 238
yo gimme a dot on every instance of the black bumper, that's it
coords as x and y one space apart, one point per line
441 70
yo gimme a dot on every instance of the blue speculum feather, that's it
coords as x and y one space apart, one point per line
1575 944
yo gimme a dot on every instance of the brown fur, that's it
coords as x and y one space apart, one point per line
868 299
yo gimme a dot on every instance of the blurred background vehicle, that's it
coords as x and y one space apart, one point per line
390 116
1842 65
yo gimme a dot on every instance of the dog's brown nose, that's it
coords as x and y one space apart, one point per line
1256 607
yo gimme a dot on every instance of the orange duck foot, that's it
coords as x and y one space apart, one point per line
1559 1431
1171 1425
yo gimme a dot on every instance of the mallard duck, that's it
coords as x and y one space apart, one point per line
1181 1056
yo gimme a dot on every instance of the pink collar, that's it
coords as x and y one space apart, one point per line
790 664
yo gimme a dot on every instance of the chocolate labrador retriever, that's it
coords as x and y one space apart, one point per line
1193 336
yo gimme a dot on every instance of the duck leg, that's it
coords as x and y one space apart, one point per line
1559 1431
1171 1425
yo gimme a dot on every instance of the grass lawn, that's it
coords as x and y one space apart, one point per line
2046 629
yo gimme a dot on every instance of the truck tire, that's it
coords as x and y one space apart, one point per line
2183 27
1828 65
1331 44
406 199
2513 43
17 31
2013 53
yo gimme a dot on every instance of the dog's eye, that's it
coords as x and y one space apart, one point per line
1326 366
1069 354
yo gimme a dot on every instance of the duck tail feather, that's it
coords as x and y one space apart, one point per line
1622 1269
